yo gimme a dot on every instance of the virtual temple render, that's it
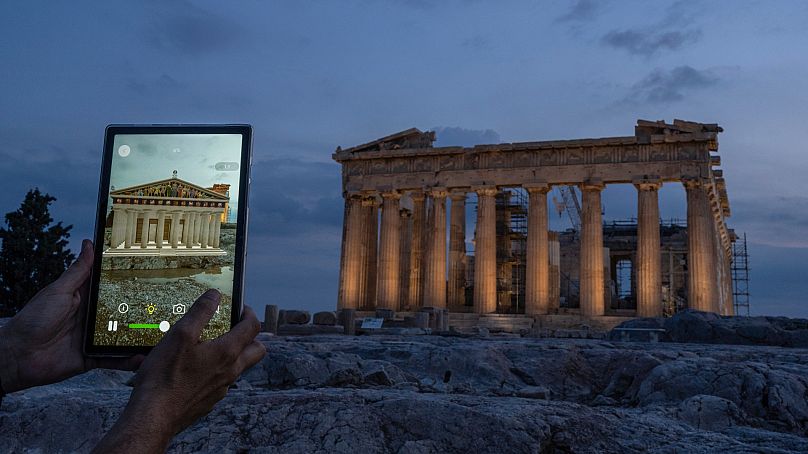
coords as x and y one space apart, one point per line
405 266
167 217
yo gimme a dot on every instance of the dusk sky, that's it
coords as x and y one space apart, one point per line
312 75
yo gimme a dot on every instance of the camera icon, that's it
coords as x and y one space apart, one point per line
178 308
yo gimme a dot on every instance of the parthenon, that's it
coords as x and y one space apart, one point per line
403 262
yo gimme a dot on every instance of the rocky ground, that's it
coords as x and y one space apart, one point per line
423 394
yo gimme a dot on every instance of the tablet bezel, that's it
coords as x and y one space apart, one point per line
103 197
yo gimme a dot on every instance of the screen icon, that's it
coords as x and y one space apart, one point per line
178 308
123 308
124 150
112 325
164 326
151 308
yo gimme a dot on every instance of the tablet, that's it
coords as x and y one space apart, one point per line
171 223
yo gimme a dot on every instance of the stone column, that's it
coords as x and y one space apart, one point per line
555 272
404 259
649 258
354 229
119 220
217 230
701 273
161 225
175 228
131 226
591 255
485 255
537 270
186 237
197 227
144 235
415 294
457 251
387 287
370 252
435 285
204 230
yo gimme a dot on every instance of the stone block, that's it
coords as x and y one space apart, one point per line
295 317
325 318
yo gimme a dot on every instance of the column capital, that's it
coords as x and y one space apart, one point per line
592 185
489 191
647 184
352 195
537 188
694 182
438 192
369 201
391 194
417 195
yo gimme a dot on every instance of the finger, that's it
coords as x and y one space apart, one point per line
251 355
79 271
131 363
242 334
200 313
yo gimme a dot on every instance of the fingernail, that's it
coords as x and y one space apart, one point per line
213 294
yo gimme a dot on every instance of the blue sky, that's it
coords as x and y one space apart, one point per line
311 75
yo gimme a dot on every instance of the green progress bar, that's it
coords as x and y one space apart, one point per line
144 326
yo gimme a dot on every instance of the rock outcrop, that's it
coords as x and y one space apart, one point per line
709 328
421 394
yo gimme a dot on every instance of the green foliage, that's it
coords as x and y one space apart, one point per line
33 252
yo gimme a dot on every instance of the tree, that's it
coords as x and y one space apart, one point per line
32 253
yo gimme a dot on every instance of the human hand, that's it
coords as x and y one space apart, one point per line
182 378
42 344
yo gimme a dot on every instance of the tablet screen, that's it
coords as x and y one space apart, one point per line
169 234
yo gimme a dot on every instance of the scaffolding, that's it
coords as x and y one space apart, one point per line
740 276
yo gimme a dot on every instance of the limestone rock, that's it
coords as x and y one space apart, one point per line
294 317
325 318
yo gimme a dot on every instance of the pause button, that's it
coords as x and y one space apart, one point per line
113 325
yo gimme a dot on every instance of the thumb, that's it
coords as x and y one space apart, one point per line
79 271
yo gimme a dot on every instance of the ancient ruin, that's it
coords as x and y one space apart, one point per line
402 262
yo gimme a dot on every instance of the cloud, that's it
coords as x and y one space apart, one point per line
665 86
774 221
455 136
647 42
189 29
581 11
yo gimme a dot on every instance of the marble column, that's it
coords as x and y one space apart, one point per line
161 225
354 230
131 223
555 272
197 227
186 229
119 220
370 252
175 229
217 230
701 272
415 294
457 251
204 230
591 255
485 254
537 270
435 285
404 259
387 286
144 231
649 257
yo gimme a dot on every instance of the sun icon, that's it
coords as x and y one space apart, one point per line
151 308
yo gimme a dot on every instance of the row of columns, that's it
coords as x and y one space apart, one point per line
200 228
425 246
